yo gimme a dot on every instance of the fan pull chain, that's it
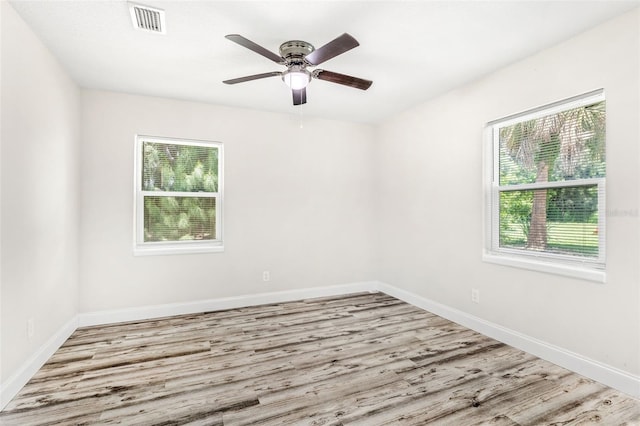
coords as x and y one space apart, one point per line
300 116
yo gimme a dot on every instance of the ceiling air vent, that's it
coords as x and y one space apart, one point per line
147 18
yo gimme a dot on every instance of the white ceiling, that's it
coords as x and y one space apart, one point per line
412 50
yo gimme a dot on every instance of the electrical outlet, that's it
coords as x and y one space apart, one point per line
266 276
475 295
31 328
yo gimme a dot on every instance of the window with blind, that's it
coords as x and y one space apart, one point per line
546 188
178 196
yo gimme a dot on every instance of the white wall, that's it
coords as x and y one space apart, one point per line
39 193
430 207
297 203
329 203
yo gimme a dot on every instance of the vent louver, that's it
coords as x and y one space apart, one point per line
147 18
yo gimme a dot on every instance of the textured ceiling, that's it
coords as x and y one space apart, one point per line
412 50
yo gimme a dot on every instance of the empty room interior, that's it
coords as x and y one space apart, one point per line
320 213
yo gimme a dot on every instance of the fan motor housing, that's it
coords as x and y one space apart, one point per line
294 51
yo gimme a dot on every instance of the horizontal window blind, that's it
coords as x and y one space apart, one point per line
177 192
549 182
564 146
179 167
179 218
571 222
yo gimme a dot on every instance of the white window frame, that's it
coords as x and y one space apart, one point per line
592 269
142 248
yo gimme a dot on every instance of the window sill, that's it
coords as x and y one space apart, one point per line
159 249
585 272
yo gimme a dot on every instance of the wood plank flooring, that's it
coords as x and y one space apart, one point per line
363 359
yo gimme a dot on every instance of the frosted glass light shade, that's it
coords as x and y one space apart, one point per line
297 79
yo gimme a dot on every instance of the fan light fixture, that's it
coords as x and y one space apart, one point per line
297 55
296 79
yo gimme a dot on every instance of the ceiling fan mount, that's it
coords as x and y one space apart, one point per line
294 51
297 55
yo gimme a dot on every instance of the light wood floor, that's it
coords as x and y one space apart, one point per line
364 359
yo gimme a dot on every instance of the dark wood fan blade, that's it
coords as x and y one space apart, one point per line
252 77
237 38
332 49
300 96
346 80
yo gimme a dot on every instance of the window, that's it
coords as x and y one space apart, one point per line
178 196
545 195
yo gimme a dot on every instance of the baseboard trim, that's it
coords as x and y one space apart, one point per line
605 374
157 311
10 388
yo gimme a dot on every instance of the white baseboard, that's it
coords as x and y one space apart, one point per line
210 305
610 376
10 388
605 374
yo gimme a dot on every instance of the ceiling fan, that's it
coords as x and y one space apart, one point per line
297 56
